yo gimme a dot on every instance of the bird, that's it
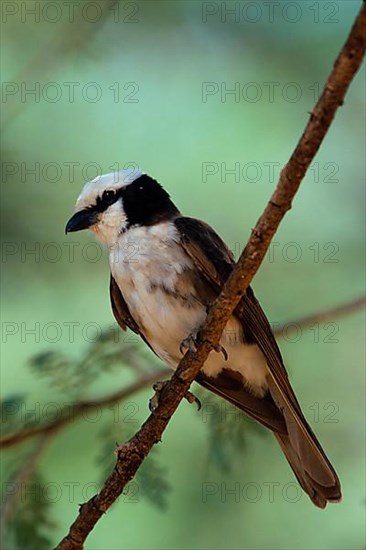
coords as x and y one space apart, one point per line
166 269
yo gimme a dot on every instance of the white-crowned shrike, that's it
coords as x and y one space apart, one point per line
166 270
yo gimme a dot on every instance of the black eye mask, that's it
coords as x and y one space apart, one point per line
109 196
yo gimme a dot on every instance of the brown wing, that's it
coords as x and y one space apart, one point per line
209 252
215 262
229 385
302 450
121 311
120 308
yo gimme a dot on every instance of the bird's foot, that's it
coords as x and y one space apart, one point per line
158 387
193 399
190 343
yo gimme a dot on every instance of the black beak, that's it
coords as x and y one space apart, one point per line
81 220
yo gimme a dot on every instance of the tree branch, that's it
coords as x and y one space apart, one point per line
72 413
320 316
132 453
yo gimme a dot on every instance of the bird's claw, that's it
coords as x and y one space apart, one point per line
158 388
188 344
220 349
192 399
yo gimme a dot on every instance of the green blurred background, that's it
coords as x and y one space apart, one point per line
149 81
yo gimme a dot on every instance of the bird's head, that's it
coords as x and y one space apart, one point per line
113 203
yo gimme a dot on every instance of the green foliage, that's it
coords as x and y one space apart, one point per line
10 408
111 350
56 367
228 429
30 526
150 481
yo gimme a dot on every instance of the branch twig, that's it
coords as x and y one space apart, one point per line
75 412
132 453
320 316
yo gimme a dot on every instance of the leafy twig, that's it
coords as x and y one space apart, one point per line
20 479
72 413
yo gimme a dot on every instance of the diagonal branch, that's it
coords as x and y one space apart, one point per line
132 453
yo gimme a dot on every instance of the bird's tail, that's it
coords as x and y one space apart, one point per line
280 412
320 492
303 451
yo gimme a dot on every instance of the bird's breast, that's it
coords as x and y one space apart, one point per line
156 278
167 298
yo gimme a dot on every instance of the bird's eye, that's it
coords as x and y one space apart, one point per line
108 196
